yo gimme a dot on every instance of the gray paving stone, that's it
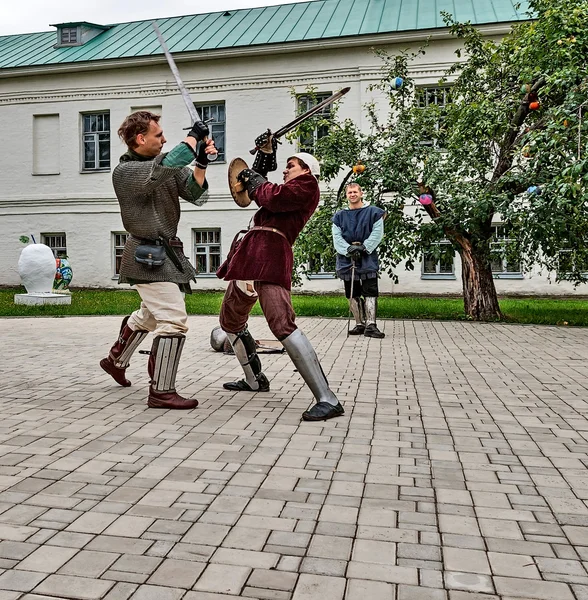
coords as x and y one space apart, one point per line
76 588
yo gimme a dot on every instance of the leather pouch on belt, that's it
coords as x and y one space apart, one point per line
152 255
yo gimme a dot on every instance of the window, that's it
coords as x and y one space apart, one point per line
207 250
321 265
434 96
439 261
569 262
309 137
118 242
55 241
504 254
96 139
217 126
69 36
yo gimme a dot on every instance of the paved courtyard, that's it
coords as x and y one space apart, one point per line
457 473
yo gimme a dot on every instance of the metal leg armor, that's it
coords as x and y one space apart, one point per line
244 347
119 357
304 357
357 305
162 368
371 309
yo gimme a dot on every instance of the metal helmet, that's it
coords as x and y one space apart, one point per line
310 161
217 339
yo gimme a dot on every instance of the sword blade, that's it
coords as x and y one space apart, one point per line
309 113
174 69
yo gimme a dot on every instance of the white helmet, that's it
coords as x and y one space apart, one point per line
310 161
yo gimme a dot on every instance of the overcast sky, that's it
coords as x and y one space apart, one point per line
26 16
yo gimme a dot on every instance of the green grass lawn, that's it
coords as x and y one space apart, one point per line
121 302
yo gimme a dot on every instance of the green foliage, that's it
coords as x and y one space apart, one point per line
483 149
24 239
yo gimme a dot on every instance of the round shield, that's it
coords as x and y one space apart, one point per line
238 191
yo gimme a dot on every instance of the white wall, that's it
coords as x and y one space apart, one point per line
257 91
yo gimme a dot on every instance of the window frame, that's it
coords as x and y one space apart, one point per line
425 91
204 111
438 274
503 240
116 259
567 272
76 42
310 100
321 274
59 251
96 141
217 233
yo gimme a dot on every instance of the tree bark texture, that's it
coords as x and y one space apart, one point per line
480 300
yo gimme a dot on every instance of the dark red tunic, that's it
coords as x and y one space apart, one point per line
265 255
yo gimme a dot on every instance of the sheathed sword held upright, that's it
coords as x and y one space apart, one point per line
183 91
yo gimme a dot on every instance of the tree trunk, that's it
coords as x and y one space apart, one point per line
480 300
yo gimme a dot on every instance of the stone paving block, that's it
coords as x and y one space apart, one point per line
466 560
359 589
274 580
311 587
531 588
155 592
513 565
473 582
47 559
323 566
371 551
246 558
410 592
89 564
223 579
327 546
177 573
22 581
76 588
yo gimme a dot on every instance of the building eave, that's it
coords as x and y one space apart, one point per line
380 39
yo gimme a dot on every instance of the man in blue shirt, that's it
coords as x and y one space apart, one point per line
357 232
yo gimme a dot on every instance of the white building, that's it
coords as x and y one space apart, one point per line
63 94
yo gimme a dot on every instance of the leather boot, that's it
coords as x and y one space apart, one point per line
118 359
304 357
371 309
162 368
356 311
245 350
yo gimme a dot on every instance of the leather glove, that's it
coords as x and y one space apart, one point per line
199 131
202 159
251 180
355 250
266 142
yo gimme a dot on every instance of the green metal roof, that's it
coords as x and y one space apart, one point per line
306 21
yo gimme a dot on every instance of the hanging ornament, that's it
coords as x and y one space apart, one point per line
426 199
527 152
534 190
525 88
534 105
358 168
396 83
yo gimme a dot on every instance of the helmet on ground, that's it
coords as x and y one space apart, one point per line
310 161
218 337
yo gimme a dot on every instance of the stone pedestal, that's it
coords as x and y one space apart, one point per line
38 298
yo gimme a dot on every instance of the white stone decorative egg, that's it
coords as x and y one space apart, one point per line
36 267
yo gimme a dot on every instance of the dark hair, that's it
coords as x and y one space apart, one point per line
135 124
302 164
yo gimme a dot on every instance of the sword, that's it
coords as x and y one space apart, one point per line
183 91
309 113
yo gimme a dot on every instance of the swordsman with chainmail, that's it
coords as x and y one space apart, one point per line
259 266
357 232
148 185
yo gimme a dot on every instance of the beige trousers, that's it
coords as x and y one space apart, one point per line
163 309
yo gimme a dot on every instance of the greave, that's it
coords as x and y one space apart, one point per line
244 348
164 361
356 305
371 309
304 357
126 344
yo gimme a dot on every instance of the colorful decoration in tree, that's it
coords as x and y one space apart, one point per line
534 190
525 88
358 168
426 199
396 83
534 105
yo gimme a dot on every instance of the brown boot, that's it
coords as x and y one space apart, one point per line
118 359
162 368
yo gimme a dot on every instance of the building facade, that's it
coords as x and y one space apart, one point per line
64 93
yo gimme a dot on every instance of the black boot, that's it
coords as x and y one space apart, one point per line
371 310
118 359
243 345
304 357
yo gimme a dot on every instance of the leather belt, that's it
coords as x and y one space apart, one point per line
262 228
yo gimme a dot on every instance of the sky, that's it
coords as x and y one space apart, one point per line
30 16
